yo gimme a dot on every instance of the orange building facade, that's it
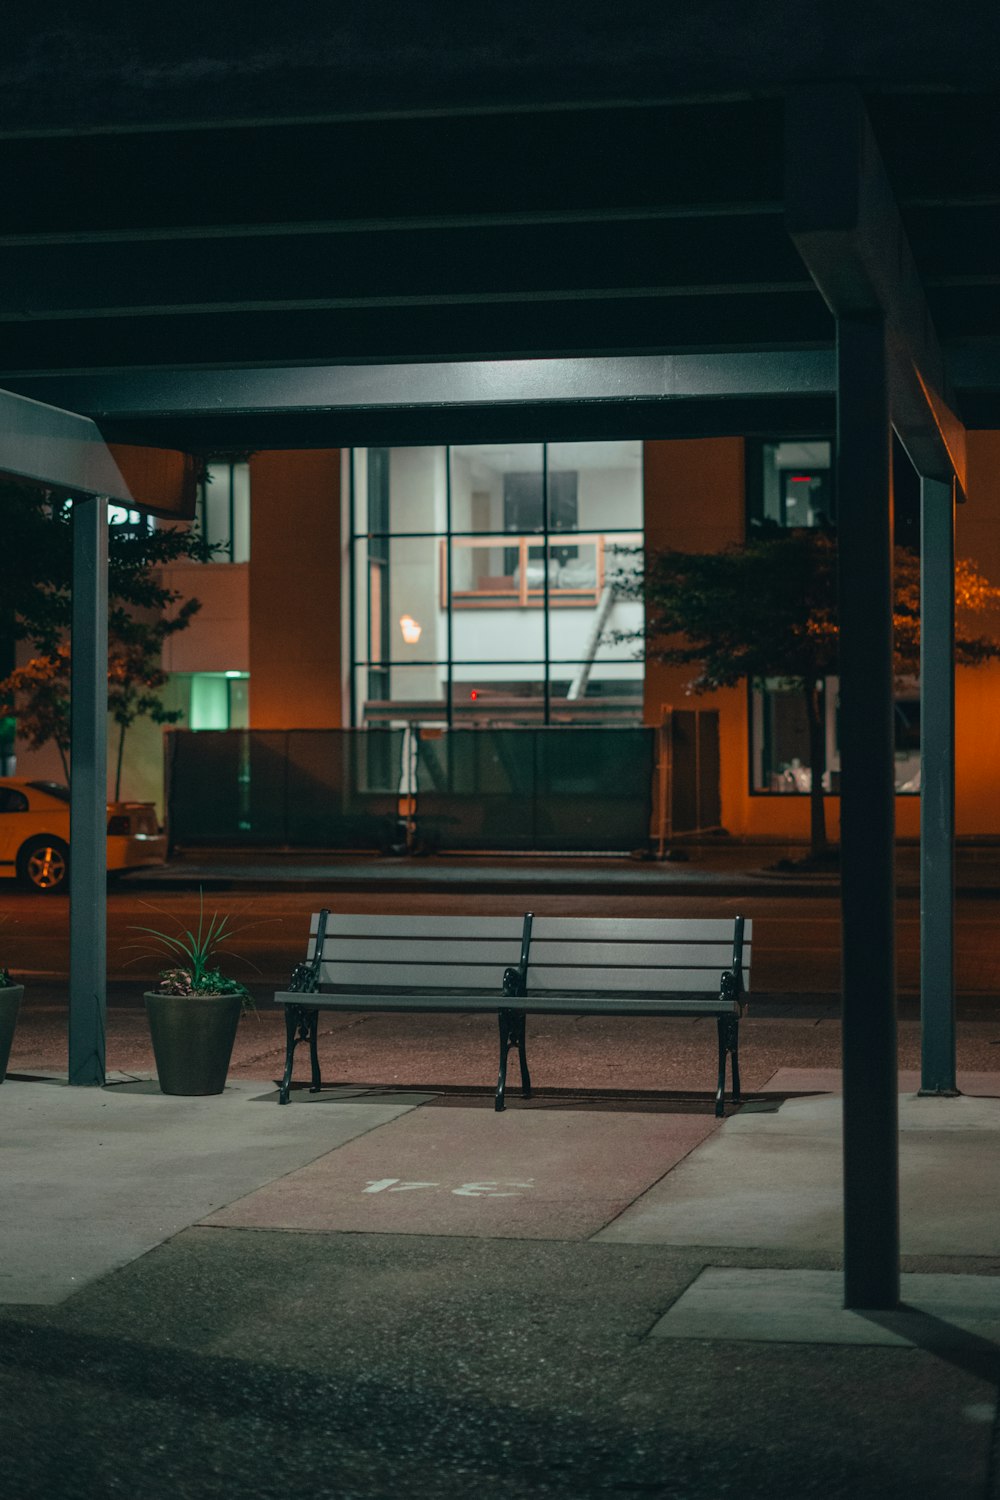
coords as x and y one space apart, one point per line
271 646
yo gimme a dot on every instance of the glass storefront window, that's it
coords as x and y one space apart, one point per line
793 483
396 693
790 482
214 700
497 487
608 483
491 563
780 739
399 490
223 511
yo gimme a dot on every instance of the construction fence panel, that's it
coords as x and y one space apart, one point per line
523 789
526 789
299 788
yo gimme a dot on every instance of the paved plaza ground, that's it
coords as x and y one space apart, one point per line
383 1291
388 1289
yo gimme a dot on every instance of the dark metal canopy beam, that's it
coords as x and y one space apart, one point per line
780 375
247 274
520 382
843 218
401 224
516 328
57 449
432 167
476 401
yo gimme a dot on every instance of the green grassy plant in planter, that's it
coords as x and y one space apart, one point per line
195 1009
10 1004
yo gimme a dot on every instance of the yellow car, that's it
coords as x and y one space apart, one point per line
34 833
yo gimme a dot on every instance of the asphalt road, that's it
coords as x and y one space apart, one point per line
796 942
794 1019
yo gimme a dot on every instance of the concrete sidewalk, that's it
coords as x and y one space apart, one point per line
373 1295
719 867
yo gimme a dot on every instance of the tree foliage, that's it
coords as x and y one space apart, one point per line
40 692
36 566
767 608
36 577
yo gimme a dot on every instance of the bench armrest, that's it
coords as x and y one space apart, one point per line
731 989
514 984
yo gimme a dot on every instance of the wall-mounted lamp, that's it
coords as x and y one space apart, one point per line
411 630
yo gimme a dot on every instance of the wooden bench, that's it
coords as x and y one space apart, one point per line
607 966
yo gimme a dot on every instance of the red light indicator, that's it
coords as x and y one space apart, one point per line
474 695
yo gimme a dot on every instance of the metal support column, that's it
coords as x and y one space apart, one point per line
864 526
88 795
937 787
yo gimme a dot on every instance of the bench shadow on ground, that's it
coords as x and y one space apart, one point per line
660 1102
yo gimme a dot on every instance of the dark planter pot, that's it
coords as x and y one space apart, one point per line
10 1004
193 1038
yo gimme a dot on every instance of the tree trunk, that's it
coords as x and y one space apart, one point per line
815 704
118 767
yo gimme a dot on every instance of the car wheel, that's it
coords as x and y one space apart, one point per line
43 865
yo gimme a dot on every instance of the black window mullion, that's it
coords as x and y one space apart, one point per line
232 513
450 692
352 630
546 684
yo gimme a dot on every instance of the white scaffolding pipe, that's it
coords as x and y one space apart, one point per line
578 686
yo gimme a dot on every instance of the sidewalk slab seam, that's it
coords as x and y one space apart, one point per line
806 1307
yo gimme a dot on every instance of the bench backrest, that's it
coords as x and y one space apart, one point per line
590 954
657 955
399 952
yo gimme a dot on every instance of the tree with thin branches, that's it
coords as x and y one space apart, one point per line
36 578
766 608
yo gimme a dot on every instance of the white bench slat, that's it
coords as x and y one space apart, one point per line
716 956
591 981
578 955
351 924
555 929
427 975
422 950
599 981
638 929
398 999
681 1003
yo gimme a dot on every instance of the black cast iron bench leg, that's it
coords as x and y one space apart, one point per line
512 1027
300 1026
729 1046
317 1082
